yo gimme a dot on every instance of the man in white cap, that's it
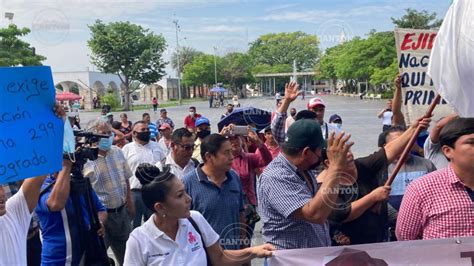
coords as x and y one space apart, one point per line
318 106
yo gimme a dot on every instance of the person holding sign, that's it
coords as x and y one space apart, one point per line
15 216
439 204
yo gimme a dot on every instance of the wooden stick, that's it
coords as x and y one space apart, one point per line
410 144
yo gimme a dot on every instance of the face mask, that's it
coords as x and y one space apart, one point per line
106 143
339 126
315 165
203 133
191 113
69 143
292 114
144 136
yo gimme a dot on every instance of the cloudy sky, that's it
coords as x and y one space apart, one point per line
60 32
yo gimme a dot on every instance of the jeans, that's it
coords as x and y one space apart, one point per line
141 210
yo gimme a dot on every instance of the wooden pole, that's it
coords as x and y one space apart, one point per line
410 144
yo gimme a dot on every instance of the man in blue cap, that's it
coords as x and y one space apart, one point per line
203 129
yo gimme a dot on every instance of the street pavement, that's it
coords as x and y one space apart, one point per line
359 119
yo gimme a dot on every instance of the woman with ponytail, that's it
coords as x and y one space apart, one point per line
174 235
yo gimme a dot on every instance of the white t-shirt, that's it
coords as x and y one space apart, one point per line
387 118
136 154
148 245
14 230
164 148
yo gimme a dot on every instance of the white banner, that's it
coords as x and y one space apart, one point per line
413 53
451 251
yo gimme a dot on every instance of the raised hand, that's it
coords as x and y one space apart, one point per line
337 149
292 91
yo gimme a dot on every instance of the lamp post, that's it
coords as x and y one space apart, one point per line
177 59
215 64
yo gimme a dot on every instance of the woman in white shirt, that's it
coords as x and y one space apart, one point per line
174 235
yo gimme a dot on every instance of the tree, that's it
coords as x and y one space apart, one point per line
414 19
14 51
237 72
130 51
201 70
186 56
282 48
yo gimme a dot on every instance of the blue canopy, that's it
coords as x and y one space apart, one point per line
218 89
245 116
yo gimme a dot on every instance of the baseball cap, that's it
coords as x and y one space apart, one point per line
304 133
334 117
315 102
164 126
201 121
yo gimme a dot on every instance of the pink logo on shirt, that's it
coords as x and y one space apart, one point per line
191 238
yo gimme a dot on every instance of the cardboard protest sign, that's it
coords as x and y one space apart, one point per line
31 136
413 52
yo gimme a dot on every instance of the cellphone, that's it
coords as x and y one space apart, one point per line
239 130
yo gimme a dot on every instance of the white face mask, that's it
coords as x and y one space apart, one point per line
191 113
337 125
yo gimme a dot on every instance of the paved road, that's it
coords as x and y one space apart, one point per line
359 118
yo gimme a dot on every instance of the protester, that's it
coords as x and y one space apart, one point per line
65 221
119 138
386 116
230 109
439 204
246 165
290 119
154 102
179 159
203 129
154 134
164 119
336 121
190 120
141 150
413 168
365 225
271 143
432 147
216 191
109 176
165 141
126 126
318 106
77 123
290 203
185 236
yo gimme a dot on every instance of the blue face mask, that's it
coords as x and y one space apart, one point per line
106 143
69 143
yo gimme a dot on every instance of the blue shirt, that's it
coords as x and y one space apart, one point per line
280 192
153 130
220 206
61 242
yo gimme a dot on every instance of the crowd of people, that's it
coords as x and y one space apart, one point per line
168 194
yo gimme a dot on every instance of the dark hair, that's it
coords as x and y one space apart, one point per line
305 114
116 125
155 183
145 114
383 136
138 122
212 144
455 129
192 107
179 133
123 115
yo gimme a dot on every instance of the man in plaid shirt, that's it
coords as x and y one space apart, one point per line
440 204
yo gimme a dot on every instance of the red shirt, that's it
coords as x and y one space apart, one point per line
245 165
436 205
189 122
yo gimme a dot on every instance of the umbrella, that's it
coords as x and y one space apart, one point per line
218 89
246 115
67 96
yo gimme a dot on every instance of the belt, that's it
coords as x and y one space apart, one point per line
116 210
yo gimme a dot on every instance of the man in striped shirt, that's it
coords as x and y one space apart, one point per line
440 204
109 176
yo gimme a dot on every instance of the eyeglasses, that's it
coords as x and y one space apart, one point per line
186 147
